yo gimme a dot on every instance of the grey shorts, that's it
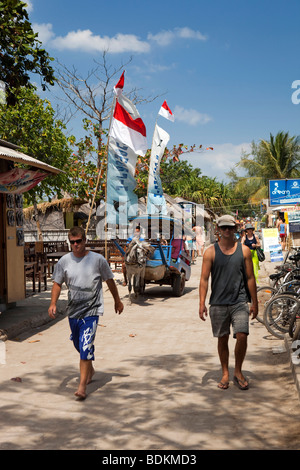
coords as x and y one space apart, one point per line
222 316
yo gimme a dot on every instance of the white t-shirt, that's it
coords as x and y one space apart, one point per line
83 277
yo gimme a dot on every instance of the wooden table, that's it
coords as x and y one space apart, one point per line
96 249
52 259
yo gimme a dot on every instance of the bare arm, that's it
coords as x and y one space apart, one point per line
55 293
119 307
203 286
251 281
257 241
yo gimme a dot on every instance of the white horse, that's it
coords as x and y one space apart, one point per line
136 256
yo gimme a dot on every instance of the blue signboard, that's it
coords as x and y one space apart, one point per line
276 253
284 192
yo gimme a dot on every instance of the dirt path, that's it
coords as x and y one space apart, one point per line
155 385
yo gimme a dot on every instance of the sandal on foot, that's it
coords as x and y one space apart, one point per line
223 385
80 396
242 384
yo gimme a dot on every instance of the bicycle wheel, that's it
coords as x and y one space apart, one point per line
296 335
294 328
264 295
279 312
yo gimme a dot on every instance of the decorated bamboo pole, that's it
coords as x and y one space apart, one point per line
100 173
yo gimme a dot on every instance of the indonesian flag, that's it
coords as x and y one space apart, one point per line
166 112
118 88
127 127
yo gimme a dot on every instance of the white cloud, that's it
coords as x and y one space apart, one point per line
85 40
44 30
217 162
190 116
189 33
165 38
29 5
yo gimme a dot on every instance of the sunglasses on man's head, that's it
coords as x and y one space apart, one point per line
79 240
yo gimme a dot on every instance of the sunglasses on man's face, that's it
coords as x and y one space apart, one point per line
79 240
227 227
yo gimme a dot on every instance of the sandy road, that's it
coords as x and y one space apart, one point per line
155 386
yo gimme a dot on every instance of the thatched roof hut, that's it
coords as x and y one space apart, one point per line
58 214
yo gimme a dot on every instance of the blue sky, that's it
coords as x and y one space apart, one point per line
225 68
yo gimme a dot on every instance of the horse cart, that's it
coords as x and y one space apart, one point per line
158 256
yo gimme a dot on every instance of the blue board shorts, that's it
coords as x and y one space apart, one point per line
224 316
83 332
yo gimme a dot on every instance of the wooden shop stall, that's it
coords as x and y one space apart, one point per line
15 179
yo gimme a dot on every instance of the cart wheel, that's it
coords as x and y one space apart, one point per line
179 285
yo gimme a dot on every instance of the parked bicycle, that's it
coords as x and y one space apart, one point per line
294 328
279 303
284 299
279 313
285 282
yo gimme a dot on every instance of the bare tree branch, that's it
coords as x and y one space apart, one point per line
93 94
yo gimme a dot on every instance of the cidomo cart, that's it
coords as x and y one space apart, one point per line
170 264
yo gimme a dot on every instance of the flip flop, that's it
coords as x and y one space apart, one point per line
223 385
242 384
79 396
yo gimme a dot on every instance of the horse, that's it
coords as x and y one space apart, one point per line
135 260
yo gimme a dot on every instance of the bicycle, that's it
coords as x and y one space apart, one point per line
266 293
279 282
279 312
294 328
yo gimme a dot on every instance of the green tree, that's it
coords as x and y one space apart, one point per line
277 158
180 179
20 51
31 125
240 195
178 176
83 164
173 171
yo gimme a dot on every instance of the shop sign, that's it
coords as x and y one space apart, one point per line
285 191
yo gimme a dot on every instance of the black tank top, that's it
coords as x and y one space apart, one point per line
228 278
249 243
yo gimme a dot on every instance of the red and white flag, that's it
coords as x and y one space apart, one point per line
127 127
127 140
118 88
166 112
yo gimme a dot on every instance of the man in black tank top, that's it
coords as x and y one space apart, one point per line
232 286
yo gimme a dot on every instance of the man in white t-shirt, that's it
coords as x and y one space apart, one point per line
83 272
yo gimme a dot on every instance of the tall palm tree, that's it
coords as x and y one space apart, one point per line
278 158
